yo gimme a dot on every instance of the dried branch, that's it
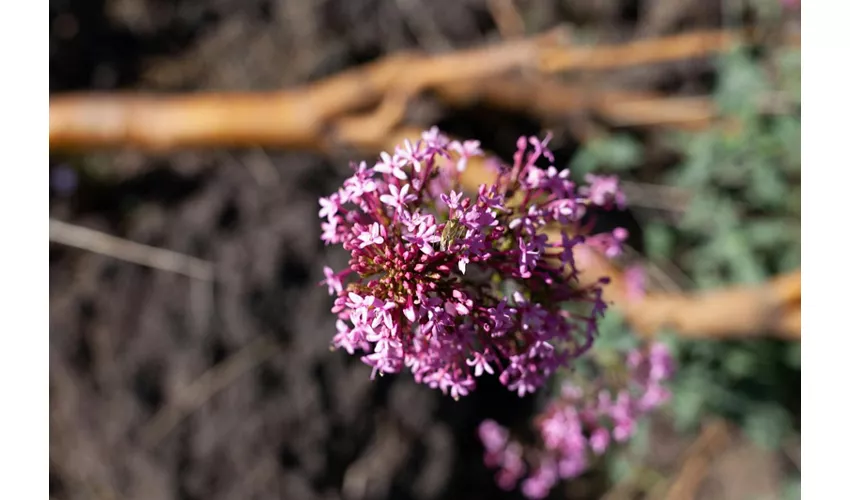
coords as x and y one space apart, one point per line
118 248
211 382
649 51
656 50
739 311
552 99
713 439
307 117
298 118
508 20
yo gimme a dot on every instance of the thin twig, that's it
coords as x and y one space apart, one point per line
713 438
204 387
791 449
77 459
118 248
655 196
508 20
656 277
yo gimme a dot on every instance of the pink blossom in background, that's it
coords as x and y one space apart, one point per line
604 191
580 423
610 244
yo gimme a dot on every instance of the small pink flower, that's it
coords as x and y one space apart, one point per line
435 142
462 261
426 233
390 165
466 150
330 206
599 440
410 154
604 191
480 363
397 198
493 436
540 481
452 200
528 256
343 337
355 301
611 244
572 466
330 233
333 282
375 236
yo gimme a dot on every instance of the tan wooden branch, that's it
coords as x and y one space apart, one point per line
552 99
306 117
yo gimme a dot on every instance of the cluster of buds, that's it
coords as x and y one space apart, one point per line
453 286
578 424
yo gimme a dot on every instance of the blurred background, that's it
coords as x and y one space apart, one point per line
189 342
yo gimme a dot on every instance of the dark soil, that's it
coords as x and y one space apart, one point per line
128 344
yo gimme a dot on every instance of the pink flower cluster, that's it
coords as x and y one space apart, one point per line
577 424
452 286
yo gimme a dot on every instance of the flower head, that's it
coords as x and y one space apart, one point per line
425 286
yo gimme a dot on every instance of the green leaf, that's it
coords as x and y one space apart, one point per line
740 363
614 336
787 132
658 241
619 468
697 170
790 70
640 442
707 213
621 152
674 342
766 424
584 162
793 202
768 188
792 258
743 263
705 267
688 403
741 82
792 489
616 152
768 233
767 11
